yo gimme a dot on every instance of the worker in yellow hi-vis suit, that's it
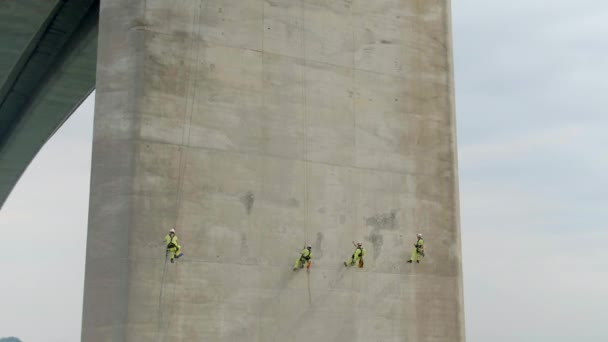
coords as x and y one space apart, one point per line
173 248
418 250
304 258
357 255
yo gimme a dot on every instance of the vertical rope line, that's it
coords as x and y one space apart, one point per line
172 299
185 139
417 100
354 113
190 100
308 280
305 99
257 237
160 299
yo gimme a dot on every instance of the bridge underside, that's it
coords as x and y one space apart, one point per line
48 54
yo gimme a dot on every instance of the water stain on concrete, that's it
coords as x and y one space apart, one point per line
247 200
386 221
380 222
244 247
271 3
377 240
318 246
292 202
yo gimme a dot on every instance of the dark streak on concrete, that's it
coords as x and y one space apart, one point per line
380 222
247 200
318 250
244 247
386 221
293 202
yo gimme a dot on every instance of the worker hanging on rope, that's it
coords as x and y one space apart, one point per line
304 258
357 256
418 250
173 248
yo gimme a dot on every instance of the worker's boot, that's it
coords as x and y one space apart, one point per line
409 261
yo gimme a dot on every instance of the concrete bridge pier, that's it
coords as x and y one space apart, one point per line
253 127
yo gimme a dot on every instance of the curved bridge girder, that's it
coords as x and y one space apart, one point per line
48 54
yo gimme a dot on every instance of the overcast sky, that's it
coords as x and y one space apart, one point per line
43 225
532 129
533 136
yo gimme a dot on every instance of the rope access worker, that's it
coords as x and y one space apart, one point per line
357 255
173 248
304 258
418 250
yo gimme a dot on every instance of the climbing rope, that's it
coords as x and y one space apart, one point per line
160 298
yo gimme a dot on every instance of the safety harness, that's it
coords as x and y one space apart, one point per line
420 247
306 257
171 244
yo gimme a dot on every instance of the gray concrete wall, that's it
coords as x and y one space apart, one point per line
254 126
